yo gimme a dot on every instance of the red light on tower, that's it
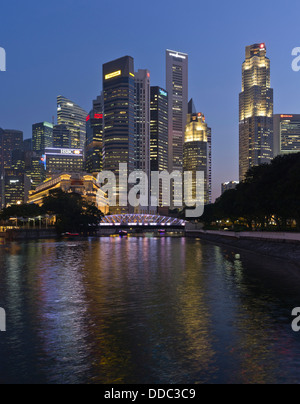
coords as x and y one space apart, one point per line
262 46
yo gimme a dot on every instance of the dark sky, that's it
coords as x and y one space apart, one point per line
58 47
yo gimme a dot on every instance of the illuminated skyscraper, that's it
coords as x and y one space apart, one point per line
142 128
142 121
119 118
286 134
197 154
11 149
159 142
73 118
256 110
177 88
42 136
94 138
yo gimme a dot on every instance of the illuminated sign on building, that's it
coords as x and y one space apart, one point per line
64 152
163 93
177 55
112 75
98 116
286 116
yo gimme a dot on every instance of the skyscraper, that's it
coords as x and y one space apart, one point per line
177 88
42 136
142 129
119 117
159 136
94 138
74 118
11 154
256 110
197 154
286 134
142 121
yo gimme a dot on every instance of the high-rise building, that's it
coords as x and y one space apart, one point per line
256 110
159 146
177 88
142 129
197 155
159 135
59 161
13 187
286 134
61 137
42 136
11 154
94 138
142 121
119 122
73 118
27 145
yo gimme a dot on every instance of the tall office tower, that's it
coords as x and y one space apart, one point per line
118 92
10 140
177 88
74 118
42 136
286 134
197 154
61 137
159 135
256 110
142 121
13 187
27 145
11 148
142 129
94 138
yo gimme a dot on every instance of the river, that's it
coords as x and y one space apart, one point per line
146 310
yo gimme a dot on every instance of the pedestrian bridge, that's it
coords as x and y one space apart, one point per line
142 221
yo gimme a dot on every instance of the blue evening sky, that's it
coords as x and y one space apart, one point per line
58 47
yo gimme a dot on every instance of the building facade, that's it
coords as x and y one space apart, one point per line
81 183
119 119
197 155
159 134
142 130
255 110
63 160
286 134
73 118
177 88
11 155
94 138
42 137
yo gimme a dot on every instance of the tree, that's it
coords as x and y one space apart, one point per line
73 213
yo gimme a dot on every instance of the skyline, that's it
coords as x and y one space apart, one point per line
40 67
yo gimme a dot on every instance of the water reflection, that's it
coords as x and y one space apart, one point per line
146 310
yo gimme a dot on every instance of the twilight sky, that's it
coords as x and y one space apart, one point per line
58 47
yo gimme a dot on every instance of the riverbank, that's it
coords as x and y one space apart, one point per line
284 246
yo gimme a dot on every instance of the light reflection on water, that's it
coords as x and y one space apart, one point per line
146 310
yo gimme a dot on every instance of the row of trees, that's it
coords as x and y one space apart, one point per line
73 213
269 196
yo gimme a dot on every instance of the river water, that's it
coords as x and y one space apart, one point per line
146 310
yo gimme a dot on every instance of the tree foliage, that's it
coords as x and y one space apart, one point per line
73 213
270 192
